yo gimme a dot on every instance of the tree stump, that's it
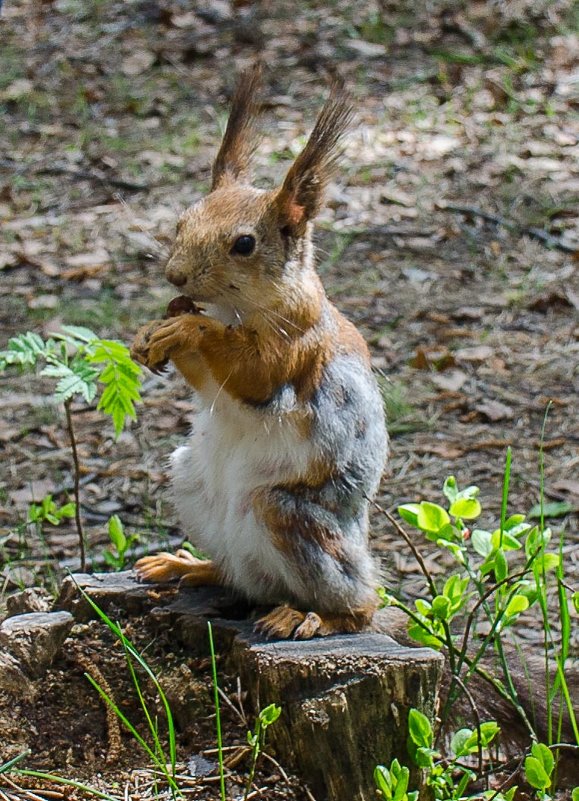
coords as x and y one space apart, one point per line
345 699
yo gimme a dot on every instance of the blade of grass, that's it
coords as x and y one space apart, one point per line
6 766
217 713
51 777
127 644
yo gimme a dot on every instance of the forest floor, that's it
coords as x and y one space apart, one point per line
450 239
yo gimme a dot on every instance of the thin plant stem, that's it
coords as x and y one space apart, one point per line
68 782
217 713
255 751
505 498
76 463
541 579
427 575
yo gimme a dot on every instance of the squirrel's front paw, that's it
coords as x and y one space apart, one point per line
157 341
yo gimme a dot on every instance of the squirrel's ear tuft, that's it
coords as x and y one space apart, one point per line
301 195
240 138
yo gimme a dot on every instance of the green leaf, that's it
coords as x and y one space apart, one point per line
481 542
488 731
382 781
409 513
117 534
575 600
269 715
507 542
75 334
517 604
546 562
513 522
422 636
432 517
554 509
466 508
535 774
545 757
419 729
450 490
401 784
500 566
457 744
575 794
441 607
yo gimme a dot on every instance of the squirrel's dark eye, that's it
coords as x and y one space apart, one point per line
244 245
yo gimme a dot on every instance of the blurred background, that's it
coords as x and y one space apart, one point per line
450 235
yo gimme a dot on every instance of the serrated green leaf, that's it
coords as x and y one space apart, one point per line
71 385
466 508
55 371
76 333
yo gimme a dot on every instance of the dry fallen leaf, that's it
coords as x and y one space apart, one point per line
451 381
495 410
478 353
138 62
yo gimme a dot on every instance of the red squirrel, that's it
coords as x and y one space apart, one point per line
289 441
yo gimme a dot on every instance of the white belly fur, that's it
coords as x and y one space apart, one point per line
232 450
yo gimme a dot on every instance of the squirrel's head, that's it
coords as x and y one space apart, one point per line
244 246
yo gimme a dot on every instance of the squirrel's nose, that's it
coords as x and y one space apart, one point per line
176 278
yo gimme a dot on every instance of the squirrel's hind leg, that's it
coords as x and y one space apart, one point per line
284 622
192 571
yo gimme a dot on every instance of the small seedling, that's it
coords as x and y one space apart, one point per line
83 366
47 511
121 543
256 739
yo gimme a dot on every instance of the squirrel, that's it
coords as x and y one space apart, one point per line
289 442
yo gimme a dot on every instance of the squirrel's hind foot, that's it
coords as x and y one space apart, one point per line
191 571
284 623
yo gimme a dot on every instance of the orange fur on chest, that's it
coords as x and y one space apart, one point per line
252 363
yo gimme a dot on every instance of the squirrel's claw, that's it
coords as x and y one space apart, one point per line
158 340
162 567
280 623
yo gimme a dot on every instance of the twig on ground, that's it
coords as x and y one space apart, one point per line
113 725
81 175
496 219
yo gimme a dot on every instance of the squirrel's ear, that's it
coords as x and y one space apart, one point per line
240 138
300 197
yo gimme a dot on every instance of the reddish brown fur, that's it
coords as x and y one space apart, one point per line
240 138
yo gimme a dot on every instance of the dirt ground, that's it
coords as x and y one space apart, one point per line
450 238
